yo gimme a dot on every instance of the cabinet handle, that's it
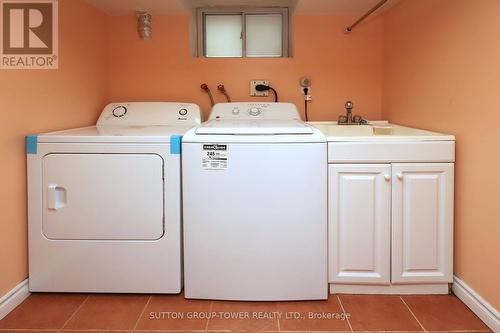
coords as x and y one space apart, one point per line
399 175
387 177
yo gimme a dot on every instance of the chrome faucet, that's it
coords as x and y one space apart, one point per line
349 119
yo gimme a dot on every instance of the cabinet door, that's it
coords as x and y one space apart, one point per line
422 223
359 223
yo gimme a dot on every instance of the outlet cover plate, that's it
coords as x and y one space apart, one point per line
302 90
255 93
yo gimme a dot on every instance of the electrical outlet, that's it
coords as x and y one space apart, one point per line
255 93
302 90
307 96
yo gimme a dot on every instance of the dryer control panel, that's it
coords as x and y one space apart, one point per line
242 111
150 114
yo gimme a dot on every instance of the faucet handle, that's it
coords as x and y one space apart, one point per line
342 120
348 105
357 119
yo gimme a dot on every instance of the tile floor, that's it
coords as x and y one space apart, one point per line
141 313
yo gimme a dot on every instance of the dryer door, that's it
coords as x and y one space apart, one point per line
103 196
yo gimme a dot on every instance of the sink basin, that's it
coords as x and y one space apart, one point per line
332 129
349 130
376 131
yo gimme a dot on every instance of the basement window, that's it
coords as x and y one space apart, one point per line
243 32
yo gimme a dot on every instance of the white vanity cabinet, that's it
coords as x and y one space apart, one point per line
390 215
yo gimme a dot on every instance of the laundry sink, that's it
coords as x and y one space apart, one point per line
333 129
350 130
376 130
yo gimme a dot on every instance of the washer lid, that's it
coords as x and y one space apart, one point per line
253 127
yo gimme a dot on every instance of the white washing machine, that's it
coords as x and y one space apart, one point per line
255 205
104 202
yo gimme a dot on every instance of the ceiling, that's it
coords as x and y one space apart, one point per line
180 7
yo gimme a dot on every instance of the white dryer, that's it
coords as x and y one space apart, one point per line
104 202
255 205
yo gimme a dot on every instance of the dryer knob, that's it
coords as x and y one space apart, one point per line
183 112
119 111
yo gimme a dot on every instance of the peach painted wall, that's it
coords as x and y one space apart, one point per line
34 101
341 66
102 59
442 72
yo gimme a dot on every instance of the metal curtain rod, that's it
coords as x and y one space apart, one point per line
368 13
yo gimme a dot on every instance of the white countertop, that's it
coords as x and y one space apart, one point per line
349 133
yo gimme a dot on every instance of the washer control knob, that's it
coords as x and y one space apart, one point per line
236 111
183 112
119 111
254 111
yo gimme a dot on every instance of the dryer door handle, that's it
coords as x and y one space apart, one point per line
56 197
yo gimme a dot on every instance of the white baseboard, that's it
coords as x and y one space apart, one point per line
13 298
484 310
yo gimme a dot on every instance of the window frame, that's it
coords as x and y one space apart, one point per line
202 12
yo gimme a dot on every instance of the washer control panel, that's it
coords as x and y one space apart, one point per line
150 114
275 111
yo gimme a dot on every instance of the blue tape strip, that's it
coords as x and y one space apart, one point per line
31 144
175 144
